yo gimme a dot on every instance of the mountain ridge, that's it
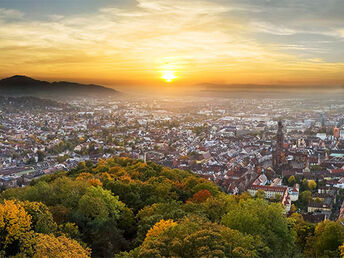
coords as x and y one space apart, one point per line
21 85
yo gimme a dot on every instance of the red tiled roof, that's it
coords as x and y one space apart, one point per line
268 188
340 170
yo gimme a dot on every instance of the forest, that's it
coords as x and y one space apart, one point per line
122 207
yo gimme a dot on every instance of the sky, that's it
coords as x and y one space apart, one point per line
174 42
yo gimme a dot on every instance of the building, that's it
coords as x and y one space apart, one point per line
341 134
278 150
273 192
336 132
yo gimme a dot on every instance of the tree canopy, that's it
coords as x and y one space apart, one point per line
127 208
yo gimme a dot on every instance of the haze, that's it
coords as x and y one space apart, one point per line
136 43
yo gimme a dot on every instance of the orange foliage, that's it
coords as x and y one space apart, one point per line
83 176
118 171
178 184
200 196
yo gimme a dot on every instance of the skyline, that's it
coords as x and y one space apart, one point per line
141 42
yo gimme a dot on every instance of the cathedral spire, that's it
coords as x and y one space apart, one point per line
277 153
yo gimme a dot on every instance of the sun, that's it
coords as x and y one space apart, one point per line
168 76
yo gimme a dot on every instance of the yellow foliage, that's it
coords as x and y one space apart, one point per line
311 184
126 179
94 182
106 176
341 249
118 171
83 176
160 227
49 246
15 225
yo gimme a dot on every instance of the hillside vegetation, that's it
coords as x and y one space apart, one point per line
126 208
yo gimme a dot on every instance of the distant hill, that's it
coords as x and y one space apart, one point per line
267 91
10 104
263 88
25 86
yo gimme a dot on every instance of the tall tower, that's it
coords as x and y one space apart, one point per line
277 152
322 120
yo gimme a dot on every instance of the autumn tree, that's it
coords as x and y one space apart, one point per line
311 184
59 247
291 180
196 237
159 228
15 227
200 196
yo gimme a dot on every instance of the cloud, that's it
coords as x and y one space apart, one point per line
198 39
341 33
10 14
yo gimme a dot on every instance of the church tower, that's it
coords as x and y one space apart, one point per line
278 150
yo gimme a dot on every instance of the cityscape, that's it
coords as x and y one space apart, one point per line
171 128
274 145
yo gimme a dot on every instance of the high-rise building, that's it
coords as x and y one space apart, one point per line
278 150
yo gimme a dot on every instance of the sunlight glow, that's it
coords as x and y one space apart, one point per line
168 76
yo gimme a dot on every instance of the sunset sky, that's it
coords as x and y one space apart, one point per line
184 41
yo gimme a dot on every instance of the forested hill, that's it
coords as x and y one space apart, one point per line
25 86
126 208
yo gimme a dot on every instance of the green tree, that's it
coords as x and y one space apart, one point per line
195 237
41 218
100 204
265 221
329 236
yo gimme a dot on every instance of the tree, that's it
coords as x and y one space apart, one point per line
15 227
311 184
304 230
341 249
100 204
159 228
328 237
40 155
196 237
41 218
60 247
260 194
150 215
305 197
101 212
263 220
291 180
200 196
316 168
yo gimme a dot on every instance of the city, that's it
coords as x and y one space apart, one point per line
171 128
237 143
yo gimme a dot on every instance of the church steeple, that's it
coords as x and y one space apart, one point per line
277 153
